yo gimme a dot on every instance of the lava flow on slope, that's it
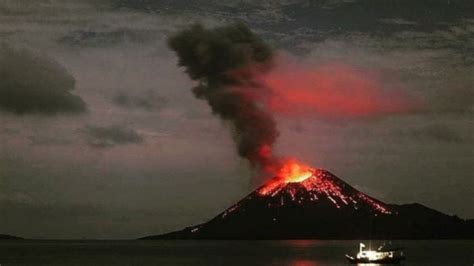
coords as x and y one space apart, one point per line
304 183
302 202
299 202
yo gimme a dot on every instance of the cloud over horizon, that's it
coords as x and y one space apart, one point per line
34 83
149 100
110 136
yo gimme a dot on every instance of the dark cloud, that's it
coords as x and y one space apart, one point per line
107 38
148 101
397 21
33 83
328 16
439 132
39 140
103 137
8 131
52 7
454 99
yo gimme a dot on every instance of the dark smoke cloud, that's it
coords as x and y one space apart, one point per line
453 100
31 83
440 133
148 101
225 60
105 137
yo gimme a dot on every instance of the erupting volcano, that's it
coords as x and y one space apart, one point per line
304 183
299 201
309 203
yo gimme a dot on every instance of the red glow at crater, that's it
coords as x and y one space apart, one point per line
291 171
294 178
294 172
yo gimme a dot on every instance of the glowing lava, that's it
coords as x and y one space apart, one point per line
292 171
304 183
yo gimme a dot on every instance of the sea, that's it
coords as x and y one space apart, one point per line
242 253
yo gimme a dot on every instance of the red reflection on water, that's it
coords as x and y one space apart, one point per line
301 243
304 263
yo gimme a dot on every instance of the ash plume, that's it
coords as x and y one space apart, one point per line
225 61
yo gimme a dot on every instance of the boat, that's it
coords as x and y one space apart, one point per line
382 255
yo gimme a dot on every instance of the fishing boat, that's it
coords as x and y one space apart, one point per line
382 255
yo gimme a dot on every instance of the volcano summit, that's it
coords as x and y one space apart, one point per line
308 203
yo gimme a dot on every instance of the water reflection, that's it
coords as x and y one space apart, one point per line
304 263
305 250
303 243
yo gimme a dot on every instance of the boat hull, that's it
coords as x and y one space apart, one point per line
394 260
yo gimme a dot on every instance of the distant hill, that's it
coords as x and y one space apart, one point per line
323 206
9 237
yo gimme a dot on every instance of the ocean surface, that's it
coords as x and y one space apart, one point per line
247 253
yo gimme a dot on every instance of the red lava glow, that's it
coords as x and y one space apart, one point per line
319 184
333 90
294 172
291 171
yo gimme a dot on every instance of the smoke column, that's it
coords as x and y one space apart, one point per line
226 61
245 84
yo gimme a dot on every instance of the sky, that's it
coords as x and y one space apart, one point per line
101 137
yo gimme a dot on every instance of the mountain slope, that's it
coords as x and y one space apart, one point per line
322 206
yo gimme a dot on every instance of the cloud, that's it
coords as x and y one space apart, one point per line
455 99
81 38
398 21
103 137
439 132
149 101
445 130
435 66
40 140
34 83
28 6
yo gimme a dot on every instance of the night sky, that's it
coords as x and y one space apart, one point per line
101 136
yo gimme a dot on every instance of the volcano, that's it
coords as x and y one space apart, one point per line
308 203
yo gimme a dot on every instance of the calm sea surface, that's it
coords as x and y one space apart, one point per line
247 253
